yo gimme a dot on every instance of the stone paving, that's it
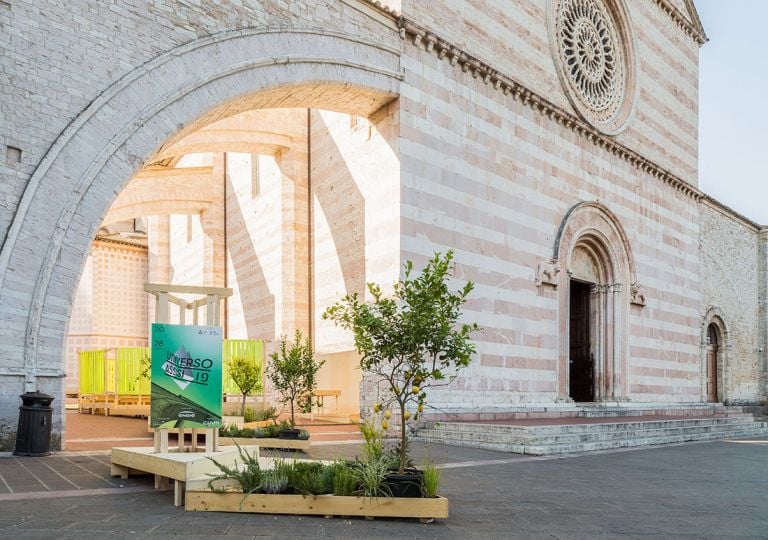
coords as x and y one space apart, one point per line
87 432
705 490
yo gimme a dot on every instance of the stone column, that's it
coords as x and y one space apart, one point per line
158 258
212 221
598 338
618 340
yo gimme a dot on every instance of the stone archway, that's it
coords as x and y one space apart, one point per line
592 250
715 340
148 109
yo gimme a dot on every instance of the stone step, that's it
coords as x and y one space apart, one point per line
542 430
696 410
539 450
592 436
543 450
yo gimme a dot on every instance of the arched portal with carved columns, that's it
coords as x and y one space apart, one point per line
597 277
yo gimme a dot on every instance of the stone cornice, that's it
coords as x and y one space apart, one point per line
468 63
127 244
693 29
386 10
731 213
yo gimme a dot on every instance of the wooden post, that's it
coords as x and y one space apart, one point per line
178 493
210 310
161 308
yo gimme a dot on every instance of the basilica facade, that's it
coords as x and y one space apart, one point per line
301 149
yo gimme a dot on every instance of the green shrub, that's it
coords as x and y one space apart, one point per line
230 430
431 480
274 481
249 415
248 478
370 478
374 440
252 415
306 478
344 481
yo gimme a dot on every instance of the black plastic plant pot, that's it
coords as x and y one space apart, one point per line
292 434
408 484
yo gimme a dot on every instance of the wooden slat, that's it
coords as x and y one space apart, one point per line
266 442
186 289
324 505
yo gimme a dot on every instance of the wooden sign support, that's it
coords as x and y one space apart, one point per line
212 298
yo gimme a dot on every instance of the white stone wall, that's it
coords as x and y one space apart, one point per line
731 277
512 37
355 179
493 178
110 307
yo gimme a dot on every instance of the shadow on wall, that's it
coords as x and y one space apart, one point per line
258 303
342 203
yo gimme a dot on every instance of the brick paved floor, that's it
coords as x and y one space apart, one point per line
87 432
704 490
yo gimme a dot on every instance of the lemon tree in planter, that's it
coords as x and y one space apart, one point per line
293 373
410 341
247 377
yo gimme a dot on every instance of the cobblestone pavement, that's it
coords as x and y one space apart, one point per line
705 490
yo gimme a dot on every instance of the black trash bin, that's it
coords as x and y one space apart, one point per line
33 436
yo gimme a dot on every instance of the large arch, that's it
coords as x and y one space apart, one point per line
590 231
145 111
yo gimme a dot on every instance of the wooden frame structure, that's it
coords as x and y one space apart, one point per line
182 462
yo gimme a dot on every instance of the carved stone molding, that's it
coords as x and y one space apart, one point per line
694 31
636 295
546 274
421 37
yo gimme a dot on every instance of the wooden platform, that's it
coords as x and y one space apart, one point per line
180 467
267 442
114 404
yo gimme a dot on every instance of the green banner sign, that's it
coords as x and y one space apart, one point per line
186 376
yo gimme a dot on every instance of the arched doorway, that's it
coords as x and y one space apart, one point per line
712 348
594 298
715 348
131 123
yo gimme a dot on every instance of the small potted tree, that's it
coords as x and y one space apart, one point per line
293 372
246 375
409 342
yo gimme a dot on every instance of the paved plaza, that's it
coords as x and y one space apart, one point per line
705 490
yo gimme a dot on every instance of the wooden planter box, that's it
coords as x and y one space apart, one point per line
258 424
318 505
265 442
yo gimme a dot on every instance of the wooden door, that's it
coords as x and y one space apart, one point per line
712 373
712 350
580 362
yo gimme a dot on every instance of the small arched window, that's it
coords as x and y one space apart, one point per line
711 335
